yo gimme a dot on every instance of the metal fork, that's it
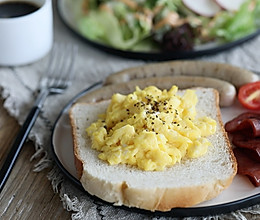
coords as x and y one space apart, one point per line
55 81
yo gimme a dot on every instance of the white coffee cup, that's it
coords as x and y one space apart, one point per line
27 38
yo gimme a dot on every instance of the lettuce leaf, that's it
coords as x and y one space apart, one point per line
104 27
257 13
230 26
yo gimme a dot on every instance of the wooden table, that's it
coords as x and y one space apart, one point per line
27 194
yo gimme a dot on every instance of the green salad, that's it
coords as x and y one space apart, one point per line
166 25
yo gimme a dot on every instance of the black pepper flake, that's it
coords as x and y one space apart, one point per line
152 123
134 117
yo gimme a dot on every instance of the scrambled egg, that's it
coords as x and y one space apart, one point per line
151 129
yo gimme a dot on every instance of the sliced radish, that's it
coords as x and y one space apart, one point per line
207 8
230 5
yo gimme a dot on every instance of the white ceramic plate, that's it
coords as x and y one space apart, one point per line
240 194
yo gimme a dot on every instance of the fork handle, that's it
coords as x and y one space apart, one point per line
17 146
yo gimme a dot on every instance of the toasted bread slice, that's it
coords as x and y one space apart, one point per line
183 185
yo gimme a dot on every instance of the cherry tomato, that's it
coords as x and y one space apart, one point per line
249 95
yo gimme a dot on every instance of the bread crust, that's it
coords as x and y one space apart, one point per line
77 160
153 199
231 153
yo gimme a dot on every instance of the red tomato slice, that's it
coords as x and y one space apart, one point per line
249 95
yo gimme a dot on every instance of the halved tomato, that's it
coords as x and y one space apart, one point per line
249 95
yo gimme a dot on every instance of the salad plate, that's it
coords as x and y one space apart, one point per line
240 194
69 12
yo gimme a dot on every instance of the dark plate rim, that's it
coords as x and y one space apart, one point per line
175 212
156 56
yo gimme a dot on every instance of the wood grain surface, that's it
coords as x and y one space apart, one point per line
27 194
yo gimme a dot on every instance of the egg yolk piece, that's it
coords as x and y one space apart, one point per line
151 129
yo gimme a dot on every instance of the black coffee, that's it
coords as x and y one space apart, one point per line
16 9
